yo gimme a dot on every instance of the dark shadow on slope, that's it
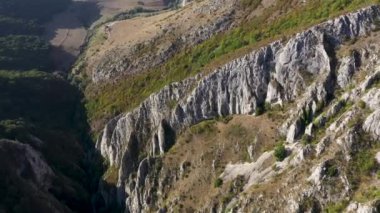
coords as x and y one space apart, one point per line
46 112
61 59
66 28
78 14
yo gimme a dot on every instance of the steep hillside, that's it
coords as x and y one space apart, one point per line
205 106
311 100
243 26
44 159
48 163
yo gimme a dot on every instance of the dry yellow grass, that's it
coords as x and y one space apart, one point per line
220 144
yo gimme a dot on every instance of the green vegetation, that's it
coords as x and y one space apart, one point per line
362 104
357 121
131 13
218 182
251 3
260 109
332 171
321 126
172 104
44 111
36 104
204 127
104 101
112 174
310 204
307 117
225 119
364 162
369 194
21 47
236 131
306 139
32 96
234 188
363 168
336 207
22 52
16 26
280 152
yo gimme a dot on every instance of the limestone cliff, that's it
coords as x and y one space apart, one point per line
304 73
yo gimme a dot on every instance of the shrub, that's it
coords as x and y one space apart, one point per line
370 193
280 152
332 171
357 121
267 106
306 139
336 207
362 104
218 182
225 119
365 162
259 110
203 127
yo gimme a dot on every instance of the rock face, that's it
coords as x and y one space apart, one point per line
276 73
28 163
348 66
24 170
372 124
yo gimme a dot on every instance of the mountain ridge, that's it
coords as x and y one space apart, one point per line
151 128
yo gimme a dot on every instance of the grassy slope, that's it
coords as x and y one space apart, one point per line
217 143
109 99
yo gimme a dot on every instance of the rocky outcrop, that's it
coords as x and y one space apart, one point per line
361 208
372 99
27 163
372 124
276 73
27 179
348 66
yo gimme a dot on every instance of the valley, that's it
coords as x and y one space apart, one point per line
68 30
190 106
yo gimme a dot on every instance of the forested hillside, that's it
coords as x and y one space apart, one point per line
21 46
41 116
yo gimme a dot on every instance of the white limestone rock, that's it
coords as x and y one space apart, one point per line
372 99
274 73
372 124
349 65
